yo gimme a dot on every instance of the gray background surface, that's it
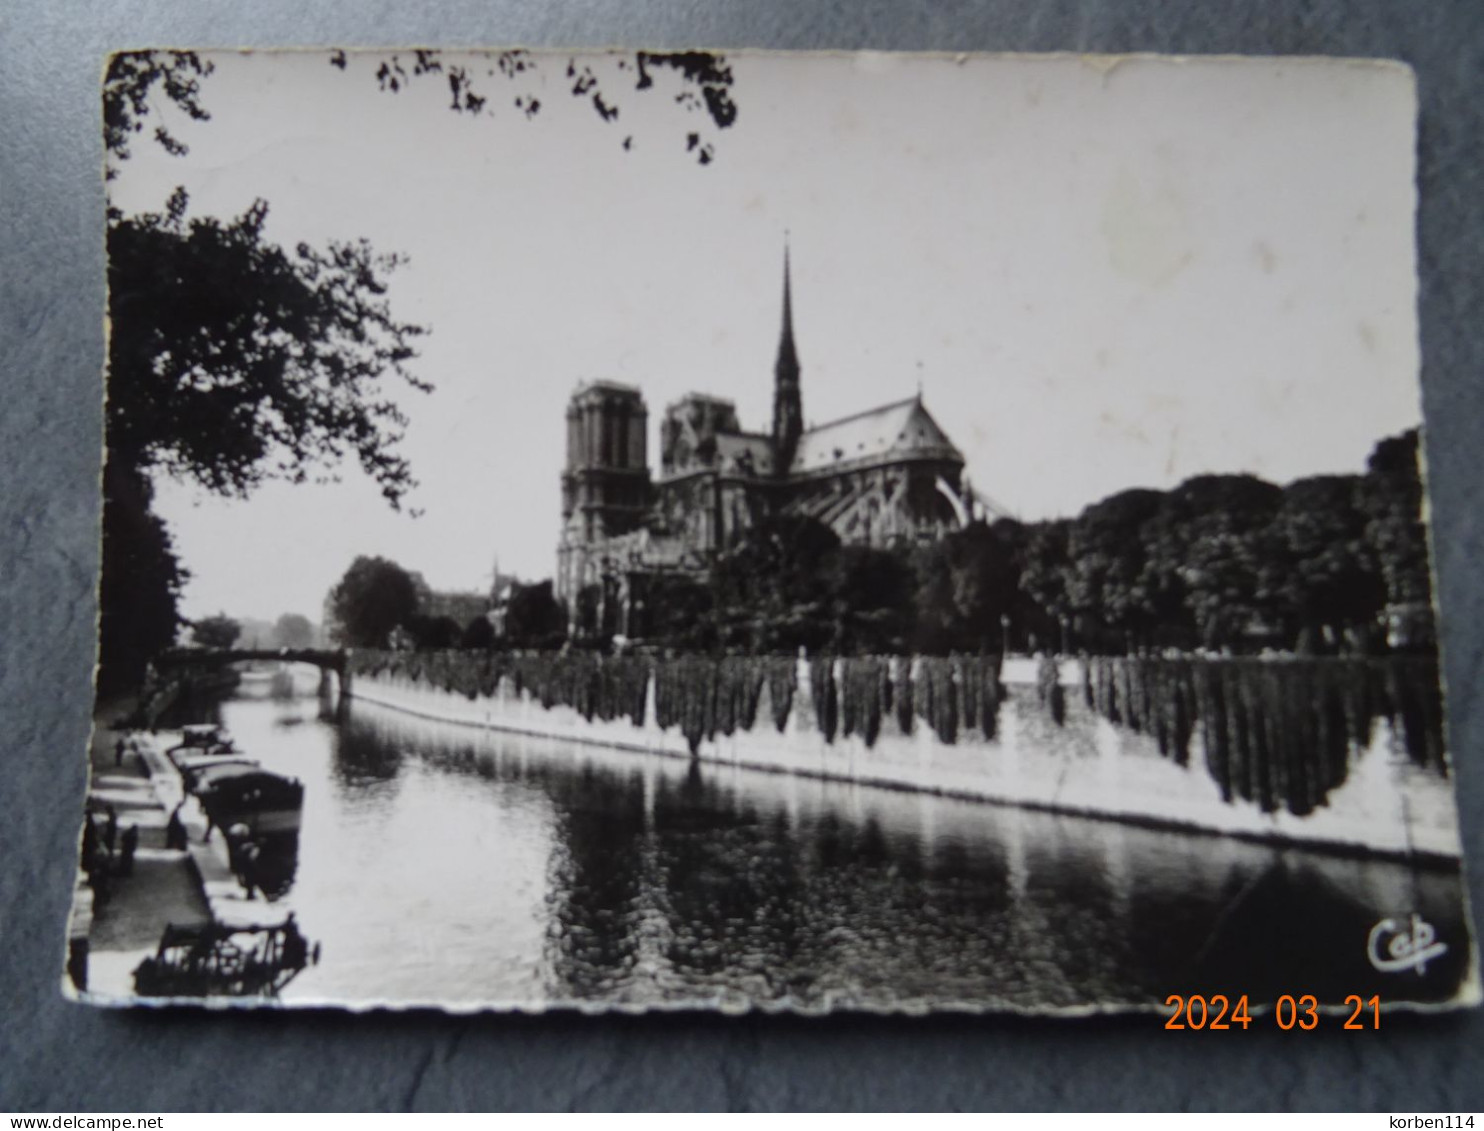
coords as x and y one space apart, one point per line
55 1056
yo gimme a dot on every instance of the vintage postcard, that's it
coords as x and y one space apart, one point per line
649 530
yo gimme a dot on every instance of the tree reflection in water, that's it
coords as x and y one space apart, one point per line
666 881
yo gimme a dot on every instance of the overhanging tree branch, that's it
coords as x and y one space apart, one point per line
234 361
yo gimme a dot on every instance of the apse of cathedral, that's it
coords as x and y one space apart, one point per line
884 477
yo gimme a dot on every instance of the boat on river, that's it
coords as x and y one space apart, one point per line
249 795
202 738
232 788
216 960
196 772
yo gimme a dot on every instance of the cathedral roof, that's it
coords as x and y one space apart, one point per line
901 430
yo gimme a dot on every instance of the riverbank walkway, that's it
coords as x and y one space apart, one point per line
130 912
123 919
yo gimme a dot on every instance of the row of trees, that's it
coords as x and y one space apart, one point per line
1328 563
378 604
291 630
1334 563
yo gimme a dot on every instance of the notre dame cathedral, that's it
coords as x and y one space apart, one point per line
882 477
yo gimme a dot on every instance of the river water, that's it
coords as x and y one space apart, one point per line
447 865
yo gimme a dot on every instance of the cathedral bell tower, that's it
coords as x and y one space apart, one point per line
605 485
788 411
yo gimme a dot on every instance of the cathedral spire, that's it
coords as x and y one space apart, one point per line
786 352
788 412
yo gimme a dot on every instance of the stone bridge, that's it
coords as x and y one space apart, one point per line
327 660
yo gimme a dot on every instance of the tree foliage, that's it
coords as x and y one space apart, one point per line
219 631
1108 575
771 590
129 85
675 608
1333 563
967 583
778 562
1328 571
140 582
1214 534
233 361
478 634
1231 561
1391 498
1329 563
292 630
703 84
534 616
374 597
869 599
433 633
1044 580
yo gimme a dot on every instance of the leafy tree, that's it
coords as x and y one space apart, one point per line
966 584
704 84
678 610
1106 548
233 361
478 634
534 616
292 630
1328 577
128 87
935 613
220 631
771 592
1214 538
778 559
1391 498
870 597
374 597
986 591
433 633
702 87
1044 580
139 590
1024 616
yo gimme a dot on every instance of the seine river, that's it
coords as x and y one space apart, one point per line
442 864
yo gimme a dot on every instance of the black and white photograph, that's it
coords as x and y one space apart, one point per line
742 531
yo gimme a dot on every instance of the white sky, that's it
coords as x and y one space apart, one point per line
1102 277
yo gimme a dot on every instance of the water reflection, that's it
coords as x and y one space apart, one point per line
445 864
363 759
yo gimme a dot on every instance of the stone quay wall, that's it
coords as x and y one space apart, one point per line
1080 763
